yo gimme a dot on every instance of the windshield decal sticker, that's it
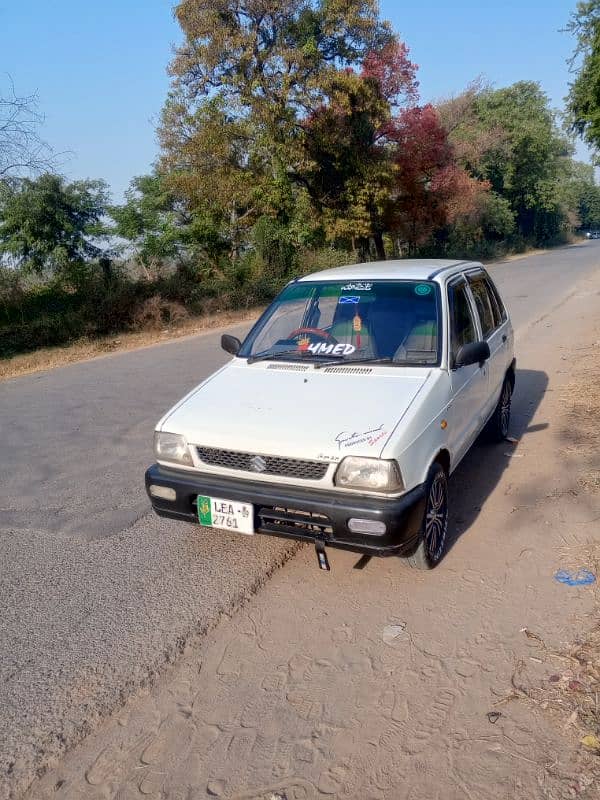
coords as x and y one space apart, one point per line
322 348
349 299
423 289
370 437
357 286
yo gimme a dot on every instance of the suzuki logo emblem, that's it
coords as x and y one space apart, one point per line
258 464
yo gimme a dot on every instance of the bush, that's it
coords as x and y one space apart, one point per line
155 312
108 302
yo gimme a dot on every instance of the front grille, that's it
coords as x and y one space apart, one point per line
291 521
273 465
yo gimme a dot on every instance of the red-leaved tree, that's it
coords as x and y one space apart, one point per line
430 189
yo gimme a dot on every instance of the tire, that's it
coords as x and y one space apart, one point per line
434 528
497 427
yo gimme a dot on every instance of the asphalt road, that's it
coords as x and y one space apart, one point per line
97 594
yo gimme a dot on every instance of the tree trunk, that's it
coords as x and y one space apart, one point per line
379 245
363 248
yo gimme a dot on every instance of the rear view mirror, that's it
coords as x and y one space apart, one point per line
473 353
231 344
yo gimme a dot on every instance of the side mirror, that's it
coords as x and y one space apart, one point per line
231 344
474 353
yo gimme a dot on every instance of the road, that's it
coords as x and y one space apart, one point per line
99 596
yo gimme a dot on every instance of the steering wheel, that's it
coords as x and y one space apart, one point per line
317 333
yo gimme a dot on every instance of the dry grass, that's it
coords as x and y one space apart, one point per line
85 349
580 431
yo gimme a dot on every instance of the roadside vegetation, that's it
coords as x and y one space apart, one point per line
293 138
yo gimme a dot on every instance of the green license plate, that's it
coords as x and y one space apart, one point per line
230 515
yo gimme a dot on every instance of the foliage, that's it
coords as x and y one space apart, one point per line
48 225
583 102
149 220
581 196
509 137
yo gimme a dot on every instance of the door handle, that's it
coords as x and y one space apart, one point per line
504 337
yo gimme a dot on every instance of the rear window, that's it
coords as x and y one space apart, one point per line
483 303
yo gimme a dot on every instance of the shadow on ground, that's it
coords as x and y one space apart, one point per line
481 469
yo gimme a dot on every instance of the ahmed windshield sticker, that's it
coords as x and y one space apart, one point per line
349 299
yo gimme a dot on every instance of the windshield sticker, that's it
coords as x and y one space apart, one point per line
370 437
349 299
357 286
322 348
423 289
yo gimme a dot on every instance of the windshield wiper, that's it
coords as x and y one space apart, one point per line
273 354
364 360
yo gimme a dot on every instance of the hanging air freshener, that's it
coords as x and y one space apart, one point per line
357 327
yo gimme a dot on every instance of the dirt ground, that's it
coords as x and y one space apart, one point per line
476 681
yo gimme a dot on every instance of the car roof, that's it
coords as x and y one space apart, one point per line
419 269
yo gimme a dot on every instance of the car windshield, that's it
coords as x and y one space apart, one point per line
395 321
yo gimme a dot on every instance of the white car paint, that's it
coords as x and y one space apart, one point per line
294 410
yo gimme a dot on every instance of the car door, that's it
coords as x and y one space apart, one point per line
469 384
493 334
493 324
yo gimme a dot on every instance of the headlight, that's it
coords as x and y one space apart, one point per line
172 447
375 474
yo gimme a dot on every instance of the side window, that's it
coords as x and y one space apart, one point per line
483 303
499 310
462 325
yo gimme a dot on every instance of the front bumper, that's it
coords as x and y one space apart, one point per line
293 512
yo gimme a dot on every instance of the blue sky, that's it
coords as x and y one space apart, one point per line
100 68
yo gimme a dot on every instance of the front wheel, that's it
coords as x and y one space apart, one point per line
434 528
497 427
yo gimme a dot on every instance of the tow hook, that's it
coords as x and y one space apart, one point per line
322 559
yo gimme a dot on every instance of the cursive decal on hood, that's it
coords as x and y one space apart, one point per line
370 437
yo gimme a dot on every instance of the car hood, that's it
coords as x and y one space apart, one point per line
297 411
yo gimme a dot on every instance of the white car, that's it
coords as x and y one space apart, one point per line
344 412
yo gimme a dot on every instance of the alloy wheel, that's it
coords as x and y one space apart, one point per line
505 409
436 518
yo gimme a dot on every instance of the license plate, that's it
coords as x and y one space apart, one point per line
215 512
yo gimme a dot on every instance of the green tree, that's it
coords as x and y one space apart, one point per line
581 196
152 221
583 101
48 225
248 75
528 166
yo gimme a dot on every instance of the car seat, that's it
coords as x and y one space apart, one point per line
420 343
343 330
